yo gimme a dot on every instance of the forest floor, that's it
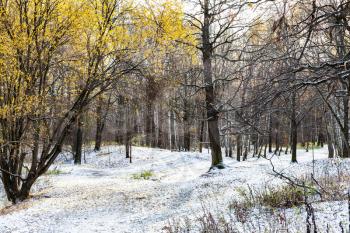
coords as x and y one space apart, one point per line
107 194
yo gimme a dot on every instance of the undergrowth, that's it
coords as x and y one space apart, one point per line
54 172
269 201
146 175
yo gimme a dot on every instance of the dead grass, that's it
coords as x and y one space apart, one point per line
14 208
272 200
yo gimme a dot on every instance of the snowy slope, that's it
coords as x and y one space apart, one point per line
103 196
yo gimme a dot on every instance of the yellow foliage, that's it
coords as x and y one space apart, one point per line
80 39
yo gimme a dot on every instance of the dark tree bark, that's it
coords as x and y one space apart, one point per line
294 137
102 110
293 129
127 133
187 135
172 131
345 143
270 133
239 147
226 145
127 145
201 133
161 136
246 149
330 150
119 134
276 141
287 149
98 136
340 35
212 113
230 154
186 117
78 141
255 138
100 122
150 126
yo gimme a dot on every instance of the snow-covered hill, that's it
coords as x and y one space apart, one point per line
105 194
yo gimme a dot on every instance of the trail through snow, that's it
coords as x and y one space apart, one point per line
103 196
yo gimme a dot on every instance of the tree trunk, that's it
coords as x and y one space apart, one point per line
186 131
119 121
127 146
150 126
255 144
172 131
330 150
161 140
287 148
226 145
270 133
14 192
99 125
330 143
212 113
187 139
201 133
229 147
239 147
78 141
276 139
294 129
246 148
346 127
127 131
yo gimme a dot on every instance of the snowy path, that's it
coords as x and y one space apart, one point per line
103 196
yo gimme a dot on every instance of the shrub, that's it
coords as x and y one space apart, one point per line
54 172
281 196
146 175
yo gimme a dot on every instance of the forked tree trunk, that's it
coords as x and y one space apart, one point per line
14 192
17 189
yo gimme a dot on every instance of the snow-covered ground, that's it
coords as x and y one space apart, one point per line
103 196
